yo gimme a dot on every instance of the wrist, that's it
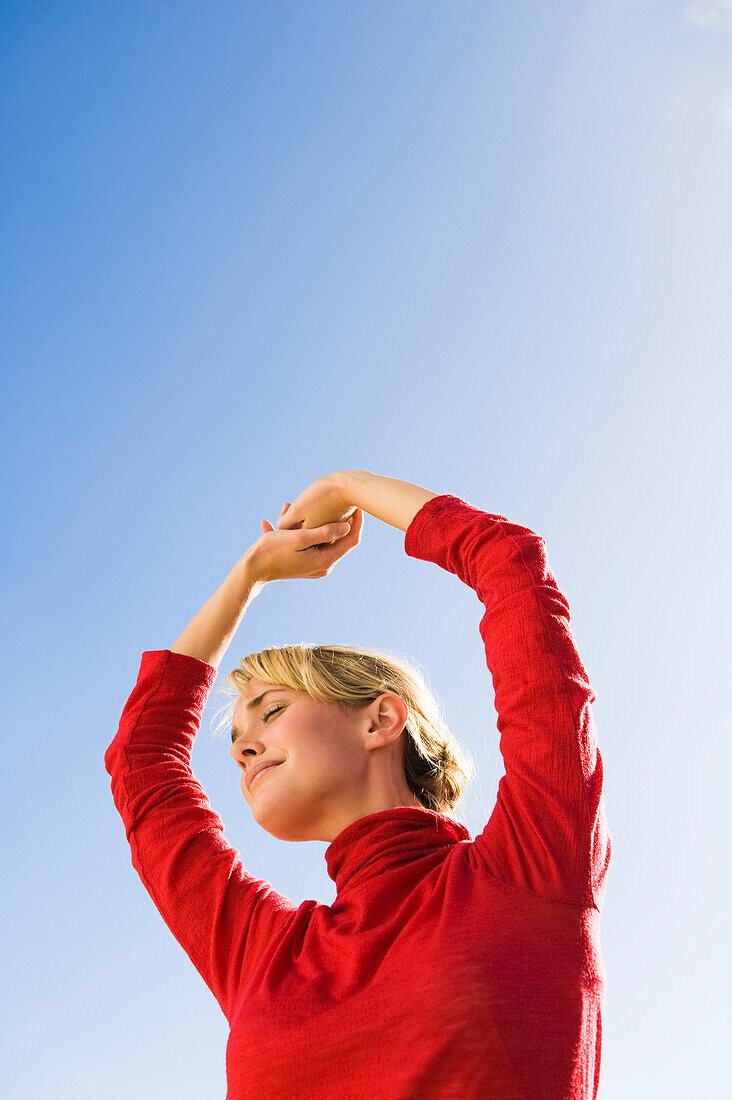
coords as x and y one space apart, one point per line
351 483
248 570
389 499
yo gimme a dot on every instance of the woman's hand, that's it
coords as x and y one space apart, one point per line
325 501
308 553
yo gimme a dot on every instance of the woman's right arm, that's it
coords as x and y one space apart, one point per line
209 633
222 916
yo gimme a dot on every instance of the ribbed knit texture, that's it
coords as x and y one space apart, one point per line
447 968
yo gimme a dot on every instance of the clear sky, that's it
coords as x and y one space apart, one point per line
484 247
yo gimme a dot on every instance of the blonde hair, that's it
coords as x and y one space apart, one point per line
437 767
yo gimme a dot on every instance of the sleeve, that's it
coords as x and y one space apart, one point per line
547 832
222 916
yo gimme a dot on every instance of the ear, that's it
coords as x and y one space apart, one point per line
389 715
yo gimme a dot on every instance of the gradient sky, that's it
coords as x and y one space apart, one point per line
481 246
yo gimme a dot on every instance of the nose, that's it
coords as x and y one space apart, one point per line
237 749
240 749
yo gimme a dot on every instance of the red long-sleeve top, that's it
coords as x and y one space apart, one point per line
447 967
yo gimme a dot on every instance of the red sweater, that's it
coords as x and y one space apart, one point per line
447 968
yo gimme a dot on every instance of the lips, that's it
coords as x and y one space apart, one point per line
252 778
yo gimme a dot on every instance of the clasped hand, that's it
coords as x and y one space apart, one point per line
313 533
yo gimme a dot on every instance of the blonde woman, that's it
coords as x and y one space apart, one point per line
448 967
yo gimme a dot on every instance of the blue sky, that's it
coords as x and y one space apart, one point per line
484 247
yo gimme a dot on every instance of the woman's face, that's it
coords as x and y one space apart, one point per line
332 766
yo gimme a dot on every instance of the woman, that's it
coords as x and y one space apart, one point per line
447 966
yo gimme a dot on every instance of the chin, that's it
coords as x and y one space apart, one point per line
283 831
284 820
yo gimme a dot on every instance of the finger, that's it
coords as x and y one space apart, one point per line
344 545
267 526
356 526
352 530
322 536
357 521
286 523
327 554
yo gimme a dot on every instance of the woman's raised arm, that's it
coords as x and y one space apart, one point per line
223 917
275 556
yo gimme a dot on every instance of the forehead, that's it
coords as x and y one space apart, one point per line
255 689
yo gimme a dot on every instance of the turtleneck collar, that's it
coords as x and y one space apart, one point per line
379 842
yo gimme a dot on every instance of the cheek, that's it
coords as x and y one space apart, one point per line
335 764
319 764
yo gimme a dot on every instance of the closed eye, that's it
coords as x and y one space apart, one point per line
265 718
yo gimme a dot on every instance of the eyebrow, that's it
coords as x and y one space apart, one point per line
252 705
